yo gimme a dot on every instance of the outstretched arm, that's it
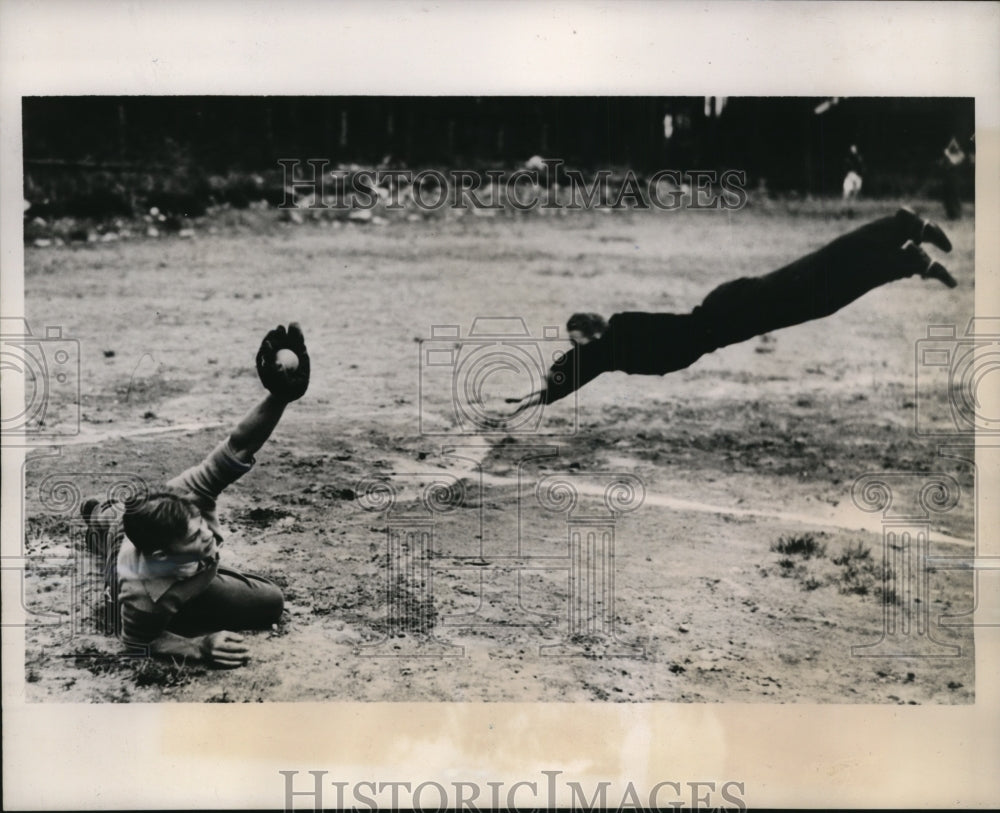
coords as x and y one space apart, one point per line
256 427
580 365
528 401
283 366
225 649
144 630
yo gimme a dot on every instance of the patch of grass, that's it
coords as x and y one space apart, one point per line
790 569
802 547
99 657
861 575
102 658
806 546
853 555
165 674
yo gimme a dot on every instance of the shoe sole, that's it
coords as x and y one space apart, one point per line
932 233
939 272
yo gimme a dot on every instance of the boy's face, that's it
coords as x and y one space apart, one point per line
199 544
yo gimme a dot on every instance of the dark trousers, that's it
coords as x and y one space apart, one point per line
813 286
233 601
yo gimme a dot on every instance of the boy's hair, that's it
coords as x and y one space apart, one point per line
157 520
590 325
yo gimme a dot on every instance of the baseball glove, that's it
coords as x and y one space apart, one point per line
288 385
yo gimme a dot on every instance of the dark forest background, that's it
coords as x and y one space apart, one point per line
115 148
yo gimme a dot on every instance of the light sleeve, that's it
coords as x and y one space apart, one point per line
207 480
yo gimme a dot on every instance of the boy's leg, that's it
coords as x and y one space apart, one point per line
886 233
234 601
104 538
104 534
822 282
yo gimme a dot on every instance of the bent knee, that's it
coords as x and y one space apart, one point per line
272 605
262 608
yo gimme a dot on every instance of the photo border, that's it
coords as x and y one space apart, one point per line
789 755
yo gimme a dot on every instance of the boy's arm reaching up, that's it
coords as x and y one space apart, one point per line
255 428
284 385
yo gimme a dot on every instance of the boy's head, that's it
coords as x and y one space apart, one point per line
585 327
168 525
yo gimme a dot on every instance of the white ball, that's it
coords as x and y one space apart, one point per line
286 360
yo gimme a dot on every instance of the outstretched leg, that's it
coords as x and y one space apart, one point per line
822 282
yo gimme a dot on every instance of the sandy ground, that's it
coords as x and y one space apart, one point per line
746 574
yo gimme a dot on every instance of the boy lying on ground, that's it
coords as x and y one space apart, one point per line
162 572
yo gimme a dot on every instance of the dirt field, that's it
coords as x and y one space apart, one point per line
747 574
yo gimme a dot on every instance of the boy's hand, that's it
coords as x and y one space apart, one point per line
224 649
288 385
528 401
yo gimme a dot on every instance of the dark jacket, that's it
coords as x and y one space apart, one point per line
634 342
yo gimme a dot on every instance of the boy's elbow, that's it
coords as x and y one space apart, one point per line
140 633
138 644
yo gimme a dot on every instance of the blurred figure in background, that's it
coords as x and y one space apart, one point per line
952 162
854 170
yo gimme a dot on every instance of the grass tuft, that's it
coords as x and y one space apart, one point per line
861 575
806 546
